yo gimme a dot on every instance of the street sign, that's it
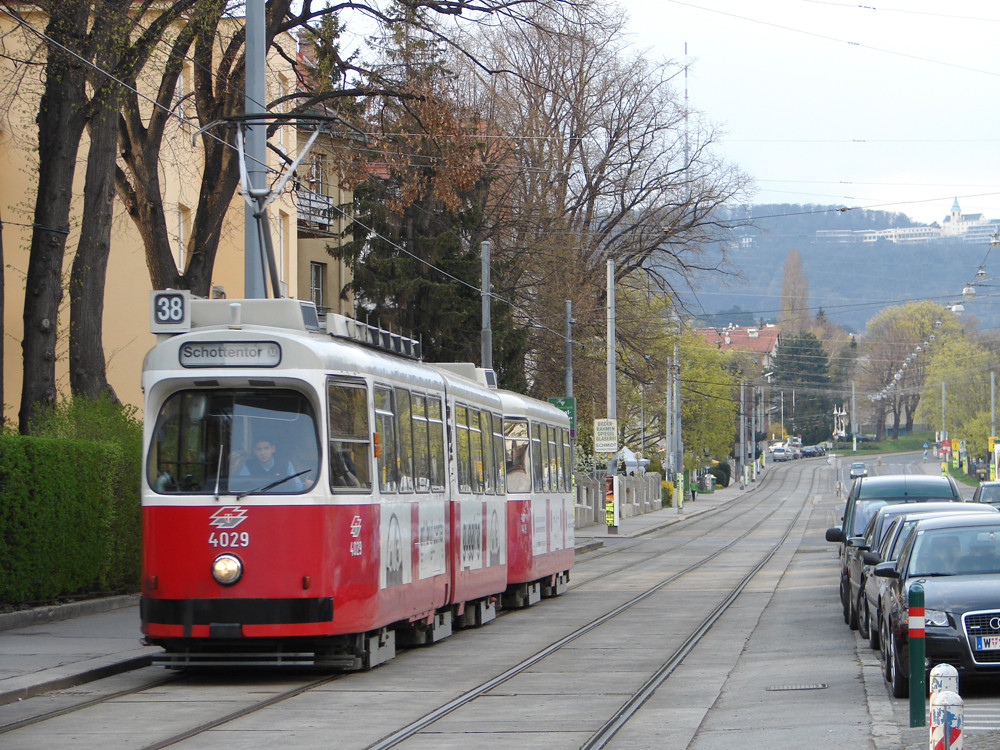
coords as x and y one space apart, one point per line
605 436
568 405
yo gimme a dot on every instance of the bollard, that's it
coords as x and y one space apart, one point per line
947 717
915 636
943 677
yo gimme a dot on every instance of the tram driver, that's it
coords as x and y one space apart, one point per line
264 464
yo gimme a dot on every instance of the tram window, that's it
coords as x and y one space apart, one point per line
537 461
405 424
421 451
489 460
349 435
463 449
567 475
554 461
388 458
476 445
516 455
436 439
214 441
498 452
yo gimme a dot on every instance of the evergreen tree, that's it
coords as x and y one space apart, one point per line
415 253
801 372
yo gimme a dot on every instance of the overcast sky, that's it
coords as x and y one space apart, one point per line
893 107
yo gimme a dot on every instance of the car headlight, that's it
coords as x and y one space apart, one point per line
227 569
935 617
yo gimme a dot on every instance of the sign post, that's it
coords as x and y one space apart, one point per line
568 405
606 441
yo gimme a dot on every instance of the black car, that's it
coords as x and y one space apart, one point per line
867 495
956 558
881 542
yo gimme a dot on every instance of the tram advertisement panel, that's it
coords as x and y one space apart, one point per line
395 545
432 540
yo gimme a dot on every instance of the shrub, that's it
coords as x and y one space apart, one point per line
56 517
101 420
666 493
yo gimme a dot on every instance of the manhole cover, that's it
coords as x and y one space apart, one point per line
807 686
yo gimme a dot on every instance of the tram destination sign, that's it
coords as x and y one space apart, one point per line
230 354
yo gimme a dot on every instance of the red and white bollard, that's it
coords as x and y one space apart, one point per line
943 677
947 717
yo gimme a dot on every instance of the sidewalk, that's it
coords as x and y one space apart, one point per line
54 648
592 537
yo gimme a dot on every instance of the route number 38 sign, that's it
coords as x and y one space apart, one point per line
169 311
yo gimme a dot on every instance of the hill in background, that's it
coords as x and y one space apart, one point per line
851 282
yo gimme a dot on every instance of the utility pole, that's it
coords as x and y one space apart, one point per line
486 343
612 388
254 100
668 425
743 431
753 432
568 382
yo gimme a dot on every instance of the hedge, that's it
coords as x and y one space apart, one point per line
68 525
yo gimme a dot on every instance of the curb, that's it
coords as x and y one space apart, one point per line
62 678
55 613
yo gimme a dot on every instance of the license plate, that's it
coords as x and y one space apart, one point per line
987 642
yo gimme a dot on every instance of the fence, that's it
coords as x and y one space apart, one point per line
641 495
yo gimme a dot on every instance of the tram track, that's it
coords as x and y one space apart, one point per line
722 518
635 702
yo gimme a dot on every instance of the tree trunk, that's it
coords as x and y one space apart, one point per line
60 125
1 325
87 372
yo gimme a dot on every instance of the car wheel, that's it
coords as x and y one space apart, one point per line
843 601
852 617
864 623
900 685
873 630
884 653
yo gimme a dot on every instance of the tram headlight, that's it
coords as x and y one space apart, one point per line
227 569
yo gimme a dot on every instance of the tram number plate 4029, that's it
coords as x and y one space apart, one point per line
987 642
229 539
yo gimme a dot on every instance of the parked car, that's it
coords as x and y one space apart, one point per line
865 551
782 453
867 495
957 560
858 469
987 492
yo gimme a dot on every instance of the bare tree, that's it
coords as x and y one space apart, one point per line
597 158
76 39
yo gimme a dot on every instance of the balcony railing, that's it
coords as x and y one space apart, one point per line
315 208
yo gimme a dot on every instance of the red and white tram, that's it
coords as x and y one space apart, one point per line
311 498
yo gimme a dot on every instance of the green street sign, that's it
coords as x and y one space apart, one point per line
568 405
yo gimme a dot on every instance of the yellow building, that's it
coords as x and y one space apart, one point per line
306 270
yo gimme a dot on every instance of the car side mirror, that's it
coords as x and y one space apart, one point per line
870 558
835 534
857 542
886 570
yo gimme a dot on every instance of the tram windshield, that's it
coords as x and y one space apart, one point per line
234 442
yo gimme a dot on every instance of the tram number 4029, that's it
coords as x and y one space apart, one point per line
229 539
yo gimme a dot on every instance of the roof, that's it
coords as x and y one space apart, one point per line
904 486
742 338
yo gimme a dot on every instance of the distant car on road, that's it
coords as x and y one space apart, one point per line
782 454
987 492
858 469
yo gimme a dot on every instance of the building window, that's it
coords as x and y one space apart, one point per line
183 232
317 282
